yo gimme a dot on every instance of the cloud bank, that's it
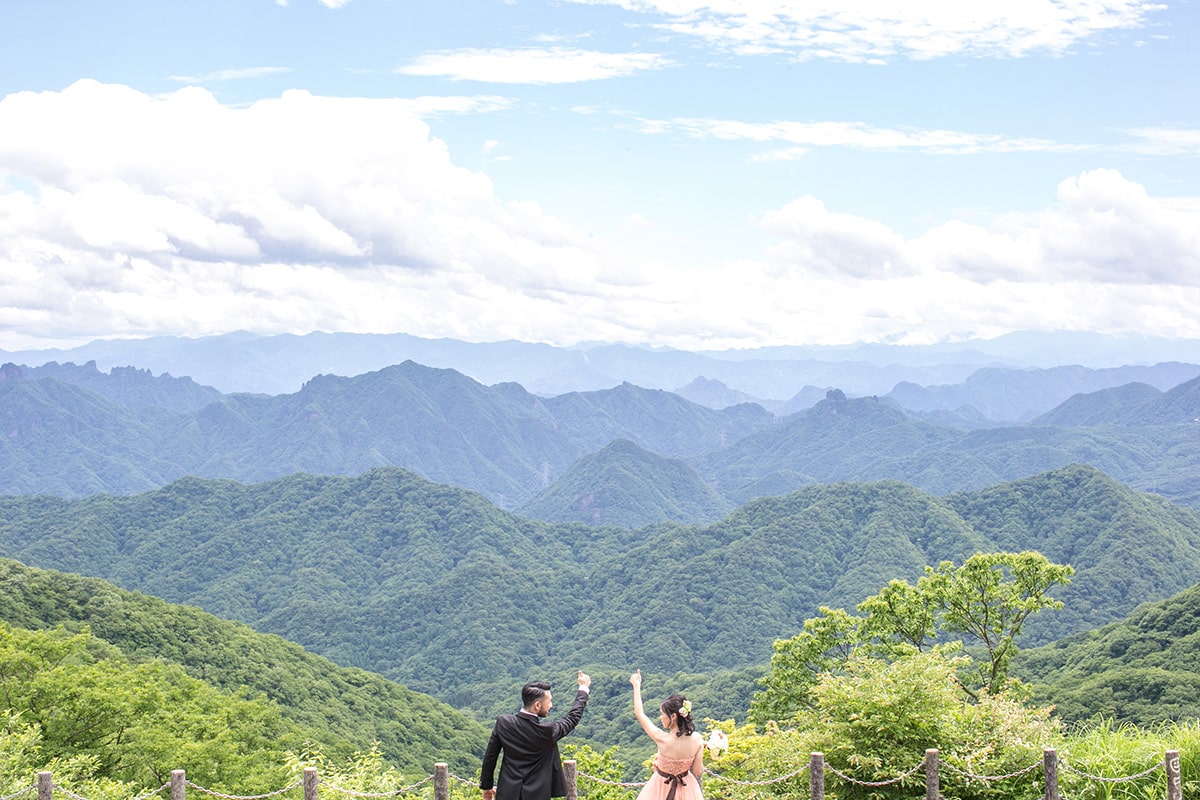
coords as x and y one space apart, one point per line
125 214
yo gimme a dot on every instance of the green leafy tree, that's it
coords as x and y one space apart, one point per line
600 773
987 600
111 720
875 719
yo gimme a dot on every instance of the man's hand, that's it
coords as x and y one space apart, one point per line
585 684
489 794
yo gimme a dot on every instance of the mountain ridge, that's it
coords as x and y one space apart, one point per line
437 588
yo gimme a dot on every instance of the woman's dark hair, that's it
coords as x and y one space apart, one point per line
678 707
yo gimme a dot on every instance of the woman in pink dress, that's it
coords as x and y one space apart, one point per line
679 762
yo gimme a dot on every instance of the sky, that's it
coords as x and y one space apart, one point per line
680 173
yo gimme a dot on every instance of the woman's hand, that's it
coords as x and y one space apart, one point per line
636 679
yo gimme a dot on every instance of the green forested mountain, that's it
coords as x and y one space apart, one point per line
437 588
101 721
1082 517
64 439
341 709
1143 669
624 485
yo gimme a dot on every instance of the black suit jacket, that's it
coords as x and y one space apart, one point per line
531 768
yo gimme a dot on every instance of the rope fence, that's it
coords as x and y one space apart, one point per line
816 767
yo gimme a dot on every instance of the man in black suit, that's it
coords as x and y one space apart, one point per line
532 767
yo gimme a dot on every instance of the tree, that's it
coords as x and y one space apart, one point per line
114 720
988 600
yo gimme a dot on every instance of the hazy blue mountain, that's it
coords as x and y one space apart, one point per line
838 439
715 394
806 398
1179 405
1039 349
624 485
654 419
243 362
1100 407
1019 395
869 439
501 440
129 386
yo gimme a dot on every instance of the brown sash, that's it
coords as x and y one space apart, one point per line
675 781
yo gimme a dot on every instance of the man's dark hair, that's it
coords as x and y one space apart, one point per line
532 692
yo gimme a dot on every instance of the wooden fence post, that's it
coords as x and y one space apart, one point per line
441 781
311 782
45 783
816 776
1050 768
932 787
571 779
1174 783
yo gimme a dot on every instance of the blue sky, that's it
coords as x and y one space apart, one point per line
669 172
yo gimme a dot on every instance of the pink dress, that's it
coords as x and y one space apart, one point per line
673 780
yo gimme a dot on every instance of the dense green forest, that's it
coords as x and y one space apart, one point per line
1142 670
339 709
112 689
625 485
436 588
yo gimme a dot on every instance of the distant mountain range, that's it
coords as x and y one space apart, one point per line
772 376
75 432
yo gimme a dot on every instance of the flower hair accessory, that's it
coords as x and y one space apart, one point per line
685 709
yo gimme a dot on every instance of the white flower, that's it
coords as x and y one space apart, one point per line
718 742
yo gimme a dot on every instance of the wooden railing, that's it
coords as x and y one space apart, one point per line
817 769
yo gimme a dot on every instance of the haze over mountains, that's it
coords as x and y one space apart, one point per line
71 430
243 362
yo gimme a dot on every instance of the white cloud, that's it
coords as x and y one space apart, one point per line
847 134
879 30
531 65
177 210
1104 230
1166 141
231 74
817 240
128 214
